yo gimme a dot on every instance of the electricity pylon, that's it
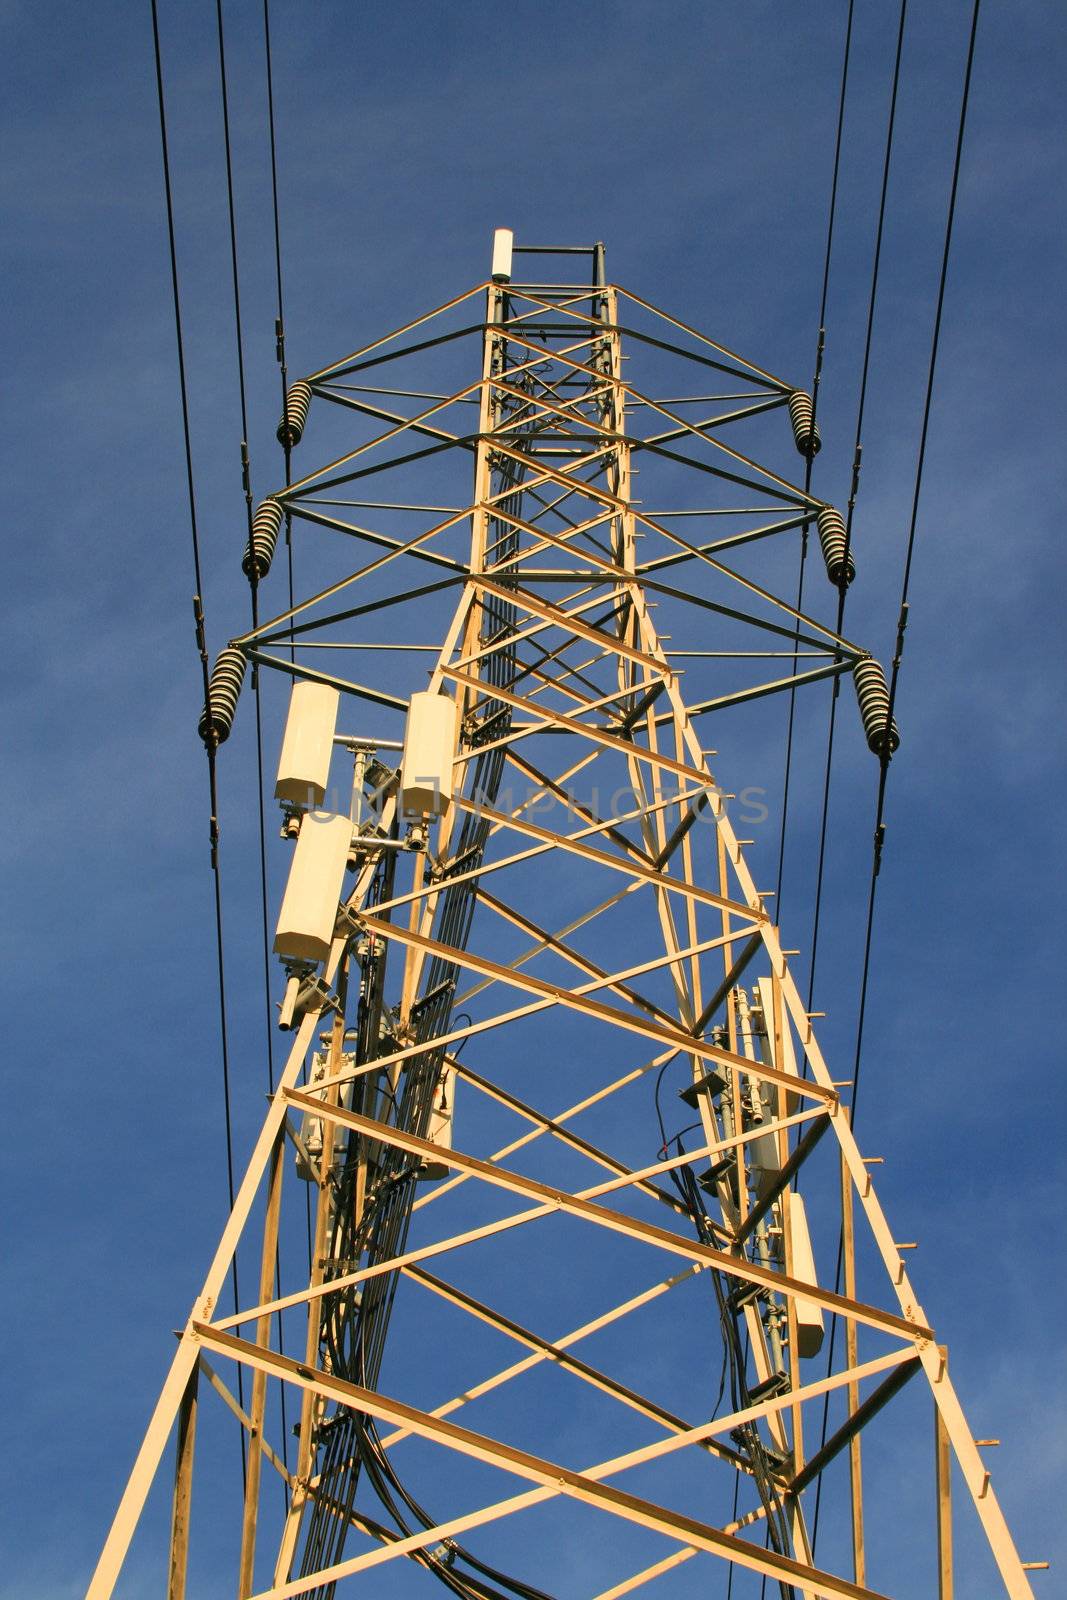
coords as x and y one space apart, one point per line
538 1331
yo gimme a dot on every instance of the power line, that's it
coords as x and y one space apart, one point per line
177 312
815 384
879 827
247 486
233 235
857 456
198 612
279 350
820 346
854 489
279 325
274 171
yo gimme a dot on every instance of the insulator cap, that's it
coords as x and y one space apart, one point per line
805 428
833 537
872 692
223 688
291 427
259 551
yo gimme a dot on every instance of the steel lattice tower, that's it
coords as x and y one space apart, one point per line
523 1292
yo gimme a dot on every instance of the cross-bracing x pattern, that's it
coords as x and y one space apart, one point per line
578 939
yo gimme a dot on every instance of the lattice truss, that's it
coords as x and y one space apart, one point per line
578 1169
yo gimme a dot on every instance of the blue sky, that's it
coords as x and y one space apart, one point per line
696 140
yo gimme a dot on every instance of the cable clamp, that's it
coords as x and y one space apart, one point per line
879 840
305 991
198 617
349 923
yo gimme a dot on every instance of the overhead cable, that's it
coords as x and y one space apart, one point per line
279 325
198 612
879 828
810 459
247 487
857 456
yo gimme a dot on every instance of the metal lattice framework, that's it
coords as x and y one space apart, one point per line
510 1341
